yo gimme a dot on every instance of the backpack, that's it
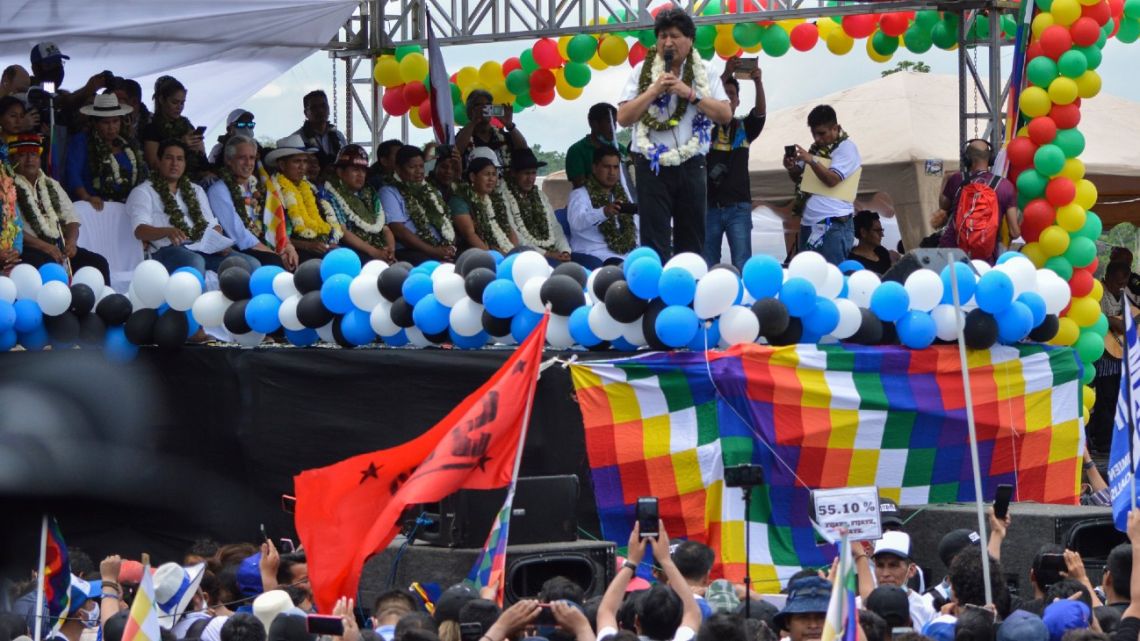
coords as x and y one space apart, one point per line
978 217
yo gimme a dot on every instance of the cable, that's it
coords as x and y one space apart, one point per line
422 519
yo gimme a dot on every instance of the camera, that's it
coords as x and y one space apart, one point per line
789 151
494 111
746 475
717 173
627 208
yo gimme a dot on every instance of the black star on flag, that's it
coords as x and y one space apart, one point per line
371 472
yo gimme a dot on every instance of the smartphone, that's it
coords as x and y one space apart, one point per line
287 546
201 131
288 504
545 615
745 67
647 516
789 151
493 111
1001 500
264 534
324 624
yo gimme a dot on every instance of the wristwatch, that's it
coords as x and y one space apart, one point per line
631 565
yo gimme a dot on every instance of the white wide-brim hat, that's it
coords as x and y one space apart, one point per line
288 146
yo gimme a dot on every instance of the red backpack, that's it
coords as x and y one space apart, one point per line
978 217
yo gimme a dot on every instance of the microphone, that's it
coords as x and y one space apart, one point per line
668 60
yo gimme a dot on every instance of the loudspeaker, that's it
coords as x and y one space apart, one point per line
591 567
917 259
544 511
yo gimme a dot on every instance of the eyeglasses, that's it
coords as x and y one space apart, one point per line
245 125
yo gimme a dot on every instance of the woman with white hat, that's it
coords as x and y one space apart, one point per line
101 165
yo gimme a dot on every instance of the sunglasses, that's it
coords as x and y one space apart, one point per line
245 125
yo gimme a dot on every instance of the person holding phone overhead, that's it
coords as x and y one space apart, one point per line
481 131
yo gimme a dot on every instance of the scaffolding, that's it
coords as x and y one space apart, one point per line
378 26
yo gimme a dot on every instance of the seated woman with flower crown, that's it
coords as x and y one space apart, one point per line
312 231
417 214
531 214
347 198
479 209
102 166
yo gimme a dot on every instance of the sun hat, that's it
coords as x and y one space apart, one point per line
106 105
174 588
288 146
807 595
267 606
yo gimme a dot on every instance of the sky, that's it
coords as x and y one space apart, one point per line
790 80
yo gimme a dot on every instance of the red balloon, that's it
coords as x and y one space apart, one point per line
1085 31
1042 130
804 36
393 101
541 99
546 53
1055 41
1020 152
636 54
860 26
669 5
1033 51
509 65
1099 12
1065 116
541 81
1081 284
1091 267
894 24
1060 191
415 92
453 77
1037 215
1116 9
425 112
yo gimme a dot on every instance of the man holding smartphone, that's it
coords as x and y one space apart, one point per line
480 130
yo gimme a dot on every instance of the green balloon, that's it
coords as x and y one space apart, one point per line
577 74
460 110
1081 251
951 21
917 40
526 59
647 38
713 8
1129 31
883 44
581 48
775 41
748 34
706 54
1071 142
926 19
1071 64
1049 160
524 100
982 28
1132 9
1009 26
1090 346
518 82
1088 374
1100 326
1060 266
1102 39
456 94
1044 5
1031 184
1041 71
1093 56
1093 227
404 50
944 36
706 36
516 107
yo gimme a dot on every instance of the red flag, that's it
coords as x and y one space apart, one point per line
348 511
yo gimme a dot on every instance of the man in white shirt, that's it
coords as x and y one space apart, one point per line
826 226
894 566
603 229
672 99
172 221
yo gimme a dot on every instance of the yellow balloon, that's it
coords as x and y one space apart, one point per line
414 117
1035 102
1041 22
1089 3
826 27
1023 132
1084 311
726 45
840 43
597 64
466 77
613 50
1088 396
788 25
1086 194
566 92
387 72
491 73
414 66
1067 332
724 28
754 48
473 87
875 55
1053 240
1071 217
1088 84
1086 415
1063 91
1065 12
564 42
501 95
1074 170
1097 292
1033 252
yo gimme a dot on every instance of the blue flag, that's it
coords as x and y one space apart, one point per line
1125 440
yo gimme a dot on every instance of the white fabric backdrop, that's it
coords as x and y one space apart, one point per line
224 51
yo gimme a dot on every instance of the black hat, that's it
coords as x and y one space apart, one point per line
523 159
954 542
891 603
889 512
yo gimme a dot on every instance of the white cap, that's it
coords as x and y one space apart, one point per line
485 152
896 543
268 605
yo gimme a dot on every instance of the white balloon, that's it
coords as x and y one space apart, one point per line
210 309
364 293
832 284
738 325
136 304
850 319
602 324
590 298
249 339
416 337
283 285
810 266
326 333
287 314
634 333
503 340
441 270
89 276
981 267
690 262
449 289
558 332
529 265
373 268
861 285
54 298
716 292
466 317
381 320
924 287
149 282
27 280
107 290
532 295
182 289
1054 290
1022 272
7 289
944 326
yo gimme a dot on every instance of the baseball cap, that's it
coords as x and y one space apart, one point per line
235 115
47 50
896 543
1022 626
1064 615
722 596
954 542
891 603
889 512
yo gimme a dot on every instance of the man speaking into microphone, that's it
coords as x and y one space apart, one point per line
672 99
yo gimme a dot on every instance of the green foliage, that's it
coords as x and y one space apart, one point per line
907 65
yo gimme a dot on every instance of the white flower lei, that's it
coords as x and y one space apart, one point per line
339 203
42 200
336 230
502 239
446 228
515 214
115 164
692 147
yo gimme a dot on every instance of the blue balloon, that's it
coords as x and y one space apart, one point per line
709 336
1036 305
622 345
843 290
116 347
823 318
416 286
504 269
798 295
426 267
763 276
579 326
809 338
190 270
7 316
641 252
341 260
643 276
889 301
399 339
524 323
916 330
35 340
28 316
356 327
995 292
261 313
1008 255
502 298
677 287
676 324
430 315
302 337
334 293
850 266
496 254
162 309
8 339
53 271
261 281
967 284
1014 323
468 342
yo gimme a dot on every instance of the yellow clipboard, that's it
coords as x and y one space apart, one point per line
846 190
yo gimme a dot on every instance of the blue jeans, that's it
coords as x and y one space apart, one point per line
593 262
173 256
735 221
837 240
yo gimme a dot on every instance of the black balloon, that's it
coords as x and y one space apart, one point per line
403 263
1046 330
981 330
603 346
573 270
439 338
63 329
391 282
476 281
171 330
233 262
311 312
140 326
234 320
234 283
307 278
473 259
92 330
338 333
870 330
114 309
82 299
606 276
401 313
622 304
563 293
773 316
729 266
791 334
649 324
496 326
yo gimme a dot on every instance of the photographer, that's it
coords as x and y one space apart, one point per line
480 131
729 192
603 223
47 82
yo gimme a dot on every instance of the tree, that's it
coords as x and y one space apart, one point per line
555 160
907 65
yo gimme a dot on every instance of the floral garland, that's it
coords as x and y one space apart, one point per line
489 214
174 212
695 76
530 215
355 209
244 205
106 174
34 199
9 225
418 200
619 231
301 208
